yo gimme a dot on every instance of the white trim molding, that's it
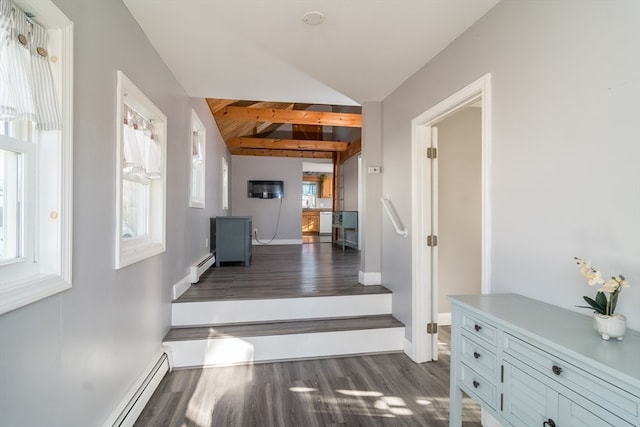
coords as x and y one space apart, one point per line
181 286
369 278
422 306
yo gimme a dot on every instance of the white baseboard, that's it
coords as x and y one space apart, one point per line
444 319
181 286
408 348
369 278
134 401
277 242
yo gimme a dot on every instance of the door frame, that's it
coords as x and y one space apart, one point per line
423 302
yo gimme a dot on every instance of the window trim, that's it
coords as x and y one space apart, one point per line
198 129
130 251
29 289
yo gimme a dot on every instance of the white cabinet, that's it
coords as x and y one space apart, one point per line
528 363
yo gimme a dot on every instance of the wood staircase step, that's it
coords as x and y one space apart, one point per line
283 328
220 345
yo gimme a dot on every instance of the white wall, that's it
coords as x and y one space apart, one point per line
69 359
459 205
564 176
265 211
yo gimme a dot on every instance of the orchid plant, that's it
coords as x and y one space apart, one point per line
601 304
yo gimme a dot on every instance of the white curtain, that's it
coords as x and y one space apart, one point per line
141 146
26 82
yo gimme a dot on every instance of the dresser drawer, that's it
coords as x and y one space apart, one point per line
478 328
478 357
600 392
477 386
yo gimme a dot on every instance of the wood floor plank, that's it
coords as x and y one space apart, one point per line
379 390
284 271
284 327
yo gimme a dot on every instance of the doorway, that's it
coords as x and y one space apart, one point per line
436 265
317 201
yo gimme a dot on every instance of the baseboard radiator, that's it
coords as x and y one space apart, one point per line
142 394
202 266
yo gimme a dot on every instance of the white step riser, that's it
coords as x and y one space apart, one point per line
230 351
240 311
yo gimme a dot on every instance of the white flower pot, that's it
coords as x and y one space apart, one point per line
613 326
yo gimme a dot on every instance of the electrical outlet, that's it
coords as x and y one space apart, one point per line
374 169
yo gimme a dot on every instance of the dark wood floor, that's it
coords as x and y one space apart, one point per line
284 271
379 390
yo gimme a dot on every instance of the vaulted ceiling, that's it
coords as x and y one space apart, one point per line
357 51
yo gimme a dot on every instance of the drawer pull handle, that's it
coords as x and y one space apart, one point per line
476 355
549 423
556 369
477 327
476 384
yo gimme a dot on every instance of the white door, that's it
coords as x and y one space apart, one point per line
432 241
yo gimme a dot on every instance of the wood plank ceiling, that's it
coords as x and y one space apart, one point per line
251 128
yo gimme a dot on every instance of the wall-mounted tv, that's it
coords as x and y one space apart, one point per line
265 189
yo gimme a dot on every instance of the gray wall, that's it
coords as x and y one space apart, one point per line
69 359
265 212
564 176
459 205
349 171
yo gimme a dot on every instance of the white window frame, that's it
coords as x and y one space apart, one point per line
198 171
225 184
130 251
46 266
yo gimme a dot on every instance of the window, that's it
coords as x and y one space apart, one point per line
309 193
36 94
225 184
198 161
140 175
309 189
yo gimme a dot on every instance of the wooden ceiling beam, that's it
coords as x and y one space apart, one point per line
216 104
287 144
281 153
303 117
355 147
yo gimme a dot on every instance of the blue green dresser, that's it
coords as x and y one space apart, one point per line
528 363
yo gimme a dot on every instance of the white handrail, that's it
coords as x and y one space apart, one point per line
393 216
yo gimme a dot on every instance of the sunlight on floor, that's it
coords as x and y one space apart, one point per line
359 393
361 402
204 399
302 389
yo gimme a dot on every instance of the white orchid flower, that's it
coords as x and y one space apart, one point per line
622 281
611 286
594 277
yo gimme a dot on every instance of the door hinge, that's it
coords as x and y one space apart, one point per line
432 328
432 153
432 240
501 402
501 373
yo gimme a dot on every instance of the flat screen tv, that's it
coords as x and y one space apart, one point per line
265 189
